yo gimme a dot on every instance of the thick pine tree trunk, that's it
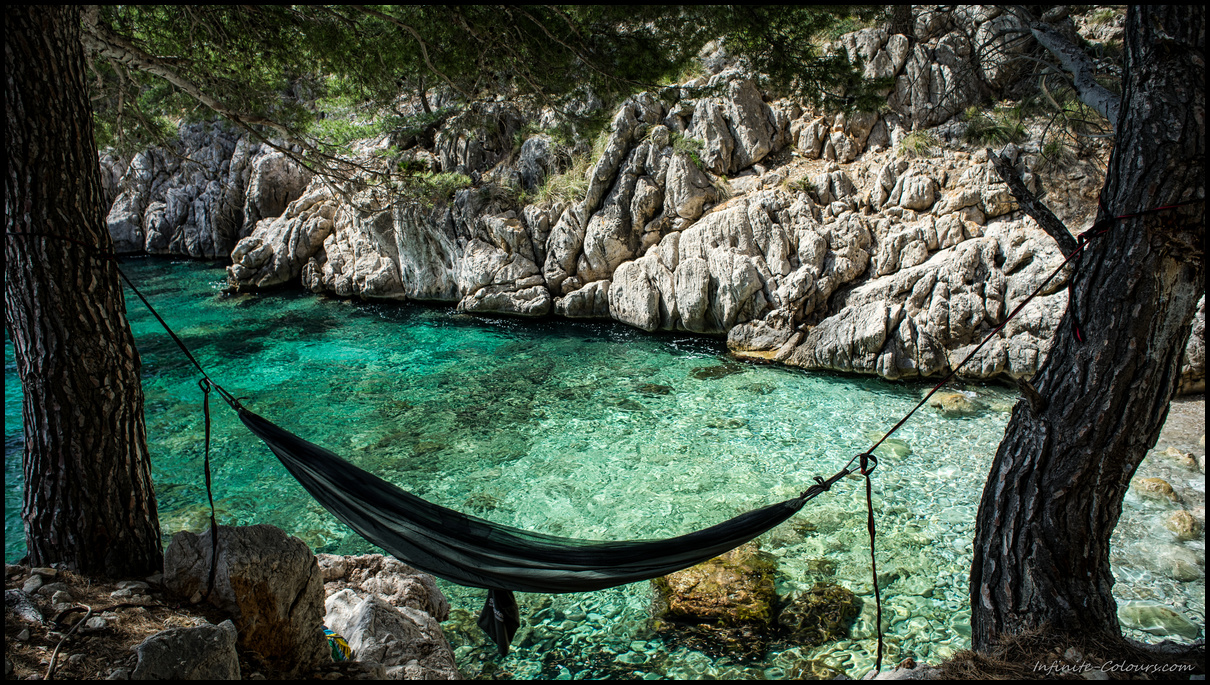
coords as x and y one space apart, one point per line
1055 491
88 503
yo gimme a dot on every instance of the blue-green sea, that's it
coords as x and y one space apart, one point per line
583 429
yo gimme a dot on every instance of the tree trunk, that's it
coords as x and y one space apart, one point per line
1055 491
88 503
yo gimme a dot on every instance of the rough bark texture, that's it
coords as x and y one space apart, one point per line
1055 491
88 495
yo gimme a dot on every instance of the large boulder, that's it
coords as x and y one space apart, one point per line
267 581
275 181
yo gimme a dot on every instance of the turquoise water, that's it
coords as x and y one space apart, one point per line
590 430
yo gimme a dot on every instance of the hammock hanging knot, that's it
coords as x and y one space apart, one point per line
868 463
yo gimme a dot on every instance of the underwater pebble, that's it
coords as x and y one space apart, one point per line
1157 619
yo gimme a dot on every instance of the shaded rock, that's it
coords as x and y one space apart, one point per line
266 580
653 389
536 161
825 613
1193 369
1157 619
202 653
407 642
19 602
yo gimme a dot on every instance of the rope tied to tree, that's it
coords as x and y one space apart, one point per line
1083 240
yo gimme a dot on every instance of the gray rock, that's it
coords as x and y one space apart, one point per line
274 182
536 161
1193 369
203 653
386 577
266 580
591 301
19 602
407 642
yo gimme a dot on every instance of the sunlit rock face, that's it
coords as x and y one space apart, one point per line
874 242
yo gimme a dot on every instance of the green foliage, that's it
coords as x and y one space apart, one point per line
1102 16
919 144
782 41
802 185
1000 127
571 184
430 188
690 146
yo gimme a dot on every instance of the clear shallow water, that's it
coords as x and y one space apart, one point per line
589 430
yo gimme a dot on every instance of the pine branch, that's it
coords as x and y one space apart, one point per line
1039 212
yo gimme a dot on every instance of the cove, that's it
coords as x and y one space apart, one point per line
591 430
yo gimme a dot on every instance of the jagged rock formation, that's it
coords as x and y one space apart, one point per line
813 239
198 198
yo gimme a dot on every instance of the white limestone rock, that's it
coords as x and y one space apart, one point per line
406 641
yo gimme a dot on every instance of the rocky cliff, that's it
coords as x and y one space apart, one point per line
868 242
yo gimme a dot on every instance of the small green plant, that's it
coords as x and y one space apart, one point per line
1102 17
690 146
919 144
802 185
1057 153
1002 126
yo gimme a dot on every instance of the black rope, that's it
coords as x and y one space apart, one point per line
205 385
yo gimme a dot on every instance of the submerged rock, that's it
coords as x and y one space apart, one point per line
955 404
1155 489
711 373
1157 619
721 606
1183 525
825 613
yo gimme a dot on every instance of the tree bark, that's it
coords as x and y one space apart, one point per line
88 503
1056 486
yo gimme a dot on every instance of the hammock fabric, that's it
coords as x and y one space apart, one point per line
478 553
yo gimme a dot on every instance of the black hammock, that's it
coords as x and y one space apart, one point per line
475 552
